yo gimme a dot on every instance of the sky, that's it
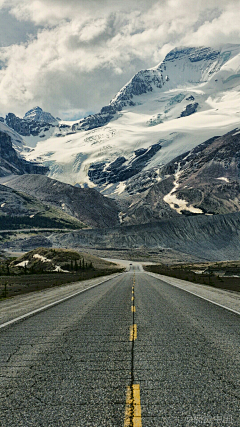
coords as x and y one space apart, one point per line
70 57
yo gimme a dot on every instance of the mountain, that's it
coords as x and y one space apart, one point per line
36 125
19 211
87 205
29 128
38 115
192 96
12 163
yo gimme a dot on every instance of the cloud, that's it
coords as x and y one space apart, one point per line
80 53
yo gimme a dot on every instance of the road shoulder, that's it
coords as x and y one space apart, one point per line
228 299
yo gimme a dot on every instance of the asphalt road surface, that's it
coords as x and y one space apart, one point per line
134 351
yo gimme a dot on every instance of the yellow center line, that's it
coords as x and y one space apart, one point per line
132 298
133 416
133 332
133 308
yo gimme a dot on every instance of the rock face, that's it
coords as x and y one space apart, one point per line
27 127
87 205
11 163
194 54
94 121
190 109
121 169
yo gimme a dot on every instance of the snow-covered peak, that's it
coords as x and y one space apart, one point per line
183 66
39 115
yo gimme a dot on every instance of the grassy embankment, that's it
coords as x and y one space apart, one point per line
222 275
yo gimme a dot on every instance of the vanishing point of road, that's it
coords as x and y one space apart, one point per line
132 351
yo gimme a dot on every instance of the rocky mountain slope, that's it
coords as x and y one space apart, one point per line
87 205
12 163
205 180
192 96
19 210
214 237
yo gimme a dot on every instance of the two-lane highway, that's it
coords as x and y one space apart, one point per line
134 351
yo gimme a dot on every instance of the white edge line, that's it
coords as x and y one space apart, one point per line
199 296
45 307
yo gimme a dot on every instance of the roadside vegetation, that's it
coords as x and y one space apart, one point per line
223 275
43 268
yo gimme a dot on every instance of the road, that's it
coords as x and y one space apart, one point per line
134 351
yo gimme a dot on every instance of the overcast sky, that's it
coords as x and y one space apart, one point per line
71 57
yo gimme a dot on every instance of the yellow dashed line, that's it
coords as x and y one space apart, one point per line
132 298
133 332
133 309
133 416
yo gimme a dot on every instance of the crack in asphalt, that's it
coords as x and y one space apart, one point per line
132 360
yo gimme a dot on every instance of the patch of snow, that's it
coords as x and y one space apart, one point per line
198 271
120 188
2 205
120 216
179 204
58 269
22 264
42 258
222 178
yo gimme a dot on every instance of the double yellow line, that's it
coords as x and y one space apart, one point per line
133 417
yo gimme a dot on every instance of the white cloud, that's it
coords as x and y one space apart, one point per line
86 50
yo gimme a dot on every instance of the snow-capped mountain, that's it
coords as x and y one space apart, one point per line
193 95
39 115
36 125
